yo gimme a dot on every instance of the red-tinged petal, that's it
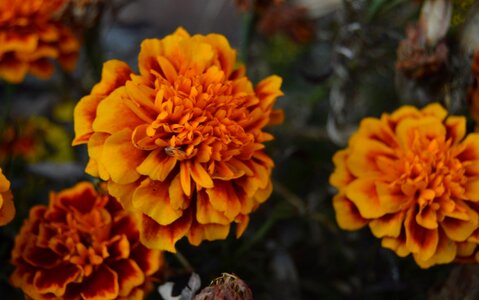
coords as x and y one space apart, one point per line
460 230
456 128
347 214
185 179
101 285
472 189
83 116
124 193
121 158
119 247
389 225
391 198
40 257
114 74
420 241
362 192
224 199
210 232
81 197
242 222
156 236
470 150
445 253
125 224
55 280
362 161
206 212
152 199
129 274
341 175
107 118
199 175
398 245
148 260
157 165
178 199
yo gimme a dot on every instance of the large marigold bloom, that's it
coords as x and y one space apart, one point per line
414 179
181 142
31 37
82 246
7 208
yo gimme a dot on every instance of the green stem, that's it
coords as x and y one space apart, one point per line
247 32
184 262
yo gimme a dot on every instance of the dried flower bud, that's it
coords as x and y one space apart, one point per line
228 287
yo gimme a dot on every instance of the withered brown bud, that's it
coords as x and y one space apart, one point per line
227 287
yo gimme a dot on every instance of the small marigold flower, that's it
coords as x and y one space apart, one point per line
414 179
181 142
31 37
7 209
82 246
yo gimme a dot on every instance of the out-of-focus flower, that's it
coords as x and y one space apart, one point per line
33 140
460 11
289 19
31 37
7 208
414 60
82 246
81 13
228 286
181 142
257 6
413 178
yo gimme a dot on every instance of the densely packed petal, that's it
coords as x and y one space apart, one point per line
413 177
31 37
82 246
181 142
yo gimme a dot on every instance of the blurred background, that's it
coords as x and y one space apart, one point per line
340 61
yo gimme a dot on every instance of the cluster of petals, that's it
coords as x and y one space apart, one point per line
181 143
82 246
7 208
412 176
31 38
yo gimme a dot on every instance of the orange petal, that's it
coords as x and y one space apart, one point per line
110 108
456 128
113 75
388 225
157 165
460 230
362 192
445 253
148 260
341 175
347 214
55 280
152 199
419 240
121 158
362 160
199 175
206 213
102 284
129 274
185 179
156 236
241 224
223 198
427 126
83 116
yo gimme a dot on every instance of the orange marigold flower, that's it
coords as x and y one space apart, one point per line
414 179
7 209
82 246
182 141
30 37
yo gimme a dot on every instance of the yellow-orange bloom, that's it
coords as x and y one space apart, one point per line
30 38
7 208
82 246
414 179
181 142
